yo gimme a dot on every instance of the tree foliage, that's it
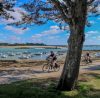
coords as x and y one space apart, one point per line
41 11
6 5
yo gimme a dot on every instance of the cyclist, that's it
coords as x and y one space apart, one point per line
53 58
88 58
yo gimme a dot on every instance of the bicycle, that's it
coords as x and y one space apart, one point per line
87 62
49 67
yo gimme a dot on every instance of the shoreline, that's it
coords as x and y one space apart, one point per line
33 47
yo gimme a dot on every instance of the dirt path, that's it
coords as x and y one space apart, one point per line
12 74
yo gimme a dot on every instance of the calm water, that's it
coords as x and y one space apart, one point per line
91 47
33 53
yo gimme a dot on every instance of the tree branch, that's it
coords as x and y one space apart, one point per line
57 4
90 2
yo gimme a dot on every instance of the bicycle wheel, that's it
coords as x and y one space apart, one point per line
45 68
85 62
56 68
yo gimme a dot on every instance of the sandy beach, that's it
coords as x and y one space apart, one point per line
17 70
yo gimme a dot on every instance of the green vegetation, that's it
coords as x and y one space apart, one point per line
38 88
22 44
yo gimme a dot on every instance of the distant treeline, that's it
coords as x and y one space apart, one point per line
22 44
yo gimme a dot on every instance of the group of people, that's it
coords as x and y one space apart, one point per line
53 57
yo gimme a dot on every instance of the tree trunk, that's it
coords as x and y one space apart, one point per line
70 71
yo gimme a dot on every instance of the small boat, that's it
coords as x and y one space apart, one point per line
18 53
26 52
23 57
11 54
3 56
38 54
31 55
60 52
44 53
1 53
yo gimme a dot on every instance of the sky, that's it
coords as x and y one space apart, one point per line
48 33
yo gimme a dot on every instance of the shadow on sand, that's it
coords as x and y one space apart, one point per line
96 67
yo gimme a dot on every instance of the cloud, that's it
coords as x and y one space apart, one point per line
34 40
87 35
92 32
54 27
16 30
92 22
17 14
98 9
98 37
52 31
15 38
53 37
1 34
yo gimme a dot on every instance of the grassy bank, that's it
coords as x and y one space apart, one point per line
88 87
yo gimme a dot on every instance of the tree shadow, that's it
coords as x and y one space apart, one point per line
96 67
92 74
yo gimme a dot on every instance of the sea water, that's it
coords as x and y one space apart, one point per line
35 53
28 53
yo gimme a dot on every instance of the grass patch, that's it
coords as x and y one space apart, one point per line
38 88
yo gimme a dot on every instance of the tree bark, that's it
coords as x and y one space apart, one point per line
70 71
